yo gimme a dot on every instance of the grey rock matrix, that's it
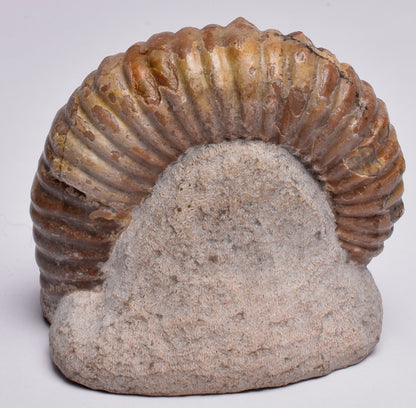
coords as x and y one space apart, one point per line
229 277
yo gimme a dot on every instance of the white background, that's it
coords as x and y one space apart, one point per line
48 47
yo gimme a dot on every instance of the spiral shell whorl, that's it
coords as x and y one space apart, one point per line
142 109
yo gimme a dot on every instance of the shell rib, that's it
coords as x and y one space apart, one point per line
142 109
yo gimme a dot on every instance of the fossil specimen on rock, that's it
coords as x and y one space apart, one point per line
142 110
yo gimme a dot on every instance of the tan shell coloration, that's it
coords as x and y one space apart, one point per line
140 110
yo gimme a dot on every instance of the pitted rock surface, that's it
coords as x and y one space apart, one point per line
229 277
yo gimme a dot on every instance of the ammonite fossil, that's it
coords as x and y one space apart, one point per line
140 110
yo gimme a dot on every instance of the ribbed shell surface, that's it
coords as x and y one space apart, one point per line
140 110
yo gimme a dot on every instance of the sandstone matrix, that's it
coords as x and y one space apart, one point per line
229 277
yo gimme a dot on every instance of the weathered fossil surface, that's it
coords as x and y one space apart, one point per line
140 110
229 277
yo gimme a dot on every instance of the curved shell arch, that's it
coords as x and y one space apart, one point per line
140 110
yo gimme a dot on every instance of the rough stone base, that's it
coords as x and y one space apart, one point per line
230 277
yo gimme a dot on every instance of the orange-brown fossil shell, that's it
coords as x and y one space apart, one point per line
140 110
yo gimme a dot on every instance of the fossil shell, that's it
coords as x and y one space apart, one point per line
140 110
